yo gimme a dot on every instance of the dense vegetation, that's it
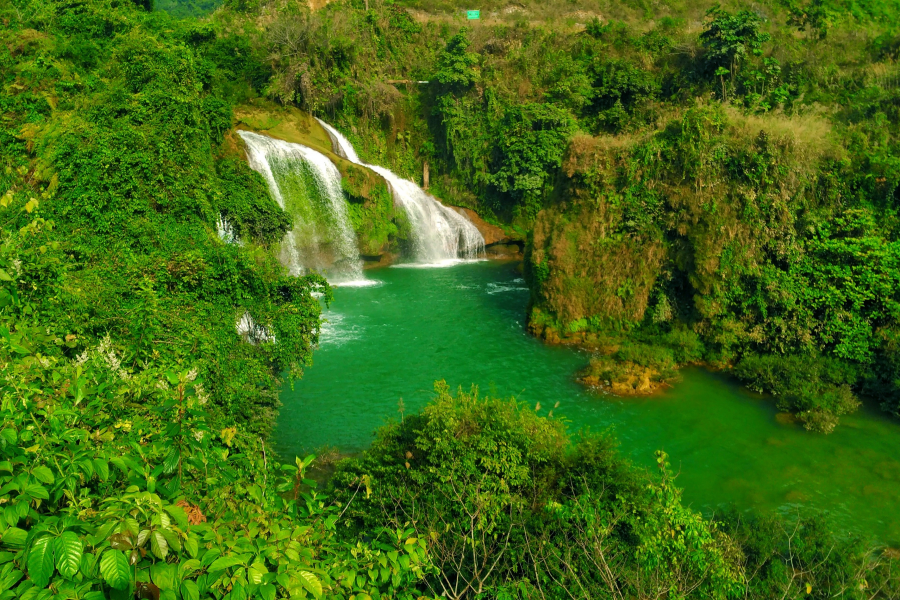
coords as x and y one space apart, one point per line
699 184
141 353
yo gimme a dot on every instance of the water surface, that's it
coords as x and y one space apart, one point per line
466 323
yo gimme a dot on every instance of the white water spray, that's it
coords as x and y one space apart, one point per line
307 185
439 232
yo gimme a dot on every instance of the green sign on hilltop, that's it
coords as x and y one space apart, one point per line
473 14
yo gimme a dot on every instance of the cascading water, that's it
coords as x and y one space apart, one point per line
307 185
439 232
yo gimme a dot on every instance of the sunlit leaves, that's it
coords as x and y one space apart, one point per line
310 582
115 569
40 561
69 550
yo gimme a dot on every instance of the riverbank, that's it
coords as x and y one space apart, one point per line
466 324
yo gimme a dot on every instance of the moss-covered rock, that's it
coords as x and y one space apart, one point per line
382 229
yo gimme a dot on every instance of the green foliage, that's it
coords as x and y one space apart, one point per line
455 65
533 139
802 558
732 39
246 204
187 8
106 495
816 388
618 87
507 501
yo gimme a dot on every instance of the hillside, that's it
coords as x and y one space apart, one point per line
703 185
695 186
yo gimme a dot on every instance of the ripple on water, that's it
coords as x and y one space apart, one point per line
441 264
466 325
337 330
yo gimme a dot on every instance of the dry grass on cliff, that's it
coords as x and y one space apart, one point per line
811 131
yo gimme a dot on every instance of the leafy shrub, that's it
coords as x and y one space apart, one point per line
247 204
817 388
507 500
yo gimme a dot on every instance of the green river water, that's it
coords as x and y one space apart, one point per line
465 324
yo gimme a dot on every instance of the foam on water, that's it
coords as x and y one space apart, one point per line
497 288
440 264
336 330
359 283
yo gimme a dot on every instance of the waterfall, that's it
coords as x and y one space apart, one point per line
439 233
307 185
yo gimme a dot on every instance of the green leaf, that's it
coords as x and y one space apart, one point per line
36 491
191 546
209 556
177 513
14 537
69 550
310 582
238 592
163 575
267 591
188 567
40 561
9 436
190 591
43 474
115 570
255 573
158 545
101 467
9 579
225 562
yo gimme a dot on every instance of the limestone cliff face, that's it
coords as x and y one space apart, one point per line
580 265
677 225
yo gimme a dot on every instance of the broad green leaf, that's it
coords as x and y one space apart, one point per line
255 573
101 467
14 537
10 579
40 561
69 550
163 575
9 435
188 567
172 538
210 556
224 562
267 591
36 491
115 570
238 592
284 580
178 514
43 474
159 545
189 590
310 582
191 546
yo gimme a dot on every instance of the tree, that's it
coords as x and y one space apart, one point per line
816 16
730 39
456 66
